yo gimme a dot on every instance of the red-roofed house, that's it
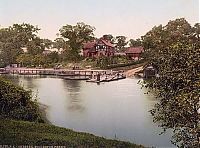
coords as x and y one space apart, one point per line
134 52
98 48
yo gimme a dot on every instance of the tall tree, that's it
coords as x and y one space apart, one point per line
13 39
174 51
135 43
75 36
35 46
60 44
109 37
121 42
47 43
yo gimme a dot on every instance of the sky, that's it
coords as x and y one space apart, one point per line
131 18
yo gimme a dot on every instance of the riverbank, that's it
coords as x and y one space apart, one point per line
30 133
43 110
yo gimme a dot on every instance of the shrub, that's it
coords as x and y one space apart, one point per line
17 103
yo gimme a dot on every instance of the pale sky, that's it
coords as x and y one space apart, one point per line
131 18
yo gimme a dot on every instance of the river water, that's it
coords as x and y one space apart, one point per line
117 110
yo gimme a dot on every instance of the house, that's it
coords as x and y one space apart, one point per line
98 48
134 52
150 71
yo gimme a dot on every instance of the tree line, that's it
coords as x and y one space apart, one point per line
18 38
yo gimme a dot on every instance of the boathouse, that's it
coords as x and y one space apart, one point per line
98 48
150 72
134 52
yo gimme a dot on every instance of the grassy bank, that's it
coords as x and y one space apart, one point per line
14 132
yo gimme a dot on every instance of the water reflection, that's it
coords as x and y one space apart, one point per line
75 102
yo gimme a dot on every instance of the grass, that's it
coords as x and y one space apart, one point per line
14 132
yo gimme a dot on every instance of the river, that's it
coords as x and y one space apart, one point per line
117 110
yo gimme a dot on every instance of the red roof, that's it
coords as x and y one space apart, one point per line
134 50
108 43
90 45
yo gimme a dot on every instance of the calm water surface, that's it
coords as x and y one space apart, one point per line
117 110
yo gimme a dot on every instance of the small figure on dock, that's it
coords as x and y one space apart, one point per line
98 77
92 75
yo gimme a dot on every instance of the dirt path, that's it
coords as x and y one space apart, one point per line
131 72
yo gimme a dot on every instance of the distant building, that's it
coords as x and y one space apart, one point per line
98 48
134 52
150 71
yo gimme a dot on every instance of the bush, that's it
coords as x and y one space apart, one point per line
16 103
105 62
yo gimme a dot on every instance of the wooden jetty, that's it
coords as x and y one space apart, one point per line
57 72
107 78
89 75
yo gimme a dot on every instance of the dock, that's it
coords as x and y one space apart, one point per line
87 74
107 78
57 72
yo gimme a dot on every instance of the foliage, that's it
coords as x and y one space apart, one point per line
127 65
25 59
18 37
29 133
60 44
121 42
109 37
29 60
106 62
75 36
135 43
16 103
35 46
174 51
52 57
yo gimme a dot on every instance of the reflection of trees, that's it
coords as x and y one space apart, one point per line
29 82
75 101
26 81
